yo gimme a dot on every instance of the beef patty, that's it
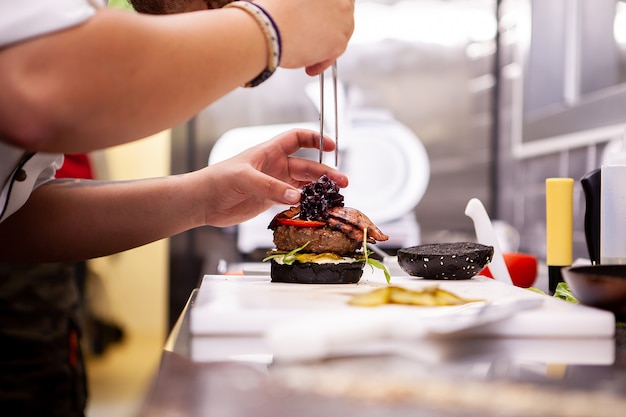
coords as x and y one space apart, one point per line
322 239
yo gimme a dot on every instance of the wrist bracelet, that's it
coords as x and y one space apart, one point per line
272 36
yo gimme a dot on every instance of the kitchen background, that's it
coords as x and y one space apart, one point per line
428 64
501 94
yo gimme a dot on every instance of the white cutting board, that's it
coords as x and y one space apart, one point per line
250 305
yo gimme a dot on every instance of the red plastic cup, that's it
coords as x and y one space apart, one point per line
523 268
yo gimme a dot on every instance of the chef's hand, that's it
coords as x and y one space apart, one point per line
314 32
247 184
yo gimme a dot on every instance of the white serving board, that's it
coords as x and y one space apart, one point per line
250 305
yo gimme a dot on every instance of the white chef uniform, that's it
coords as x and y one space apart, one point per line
20 172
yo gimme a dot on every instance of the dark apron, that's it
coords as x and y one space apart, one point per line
41 364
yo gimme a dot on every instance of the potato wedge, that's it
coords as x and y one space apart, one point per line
428 297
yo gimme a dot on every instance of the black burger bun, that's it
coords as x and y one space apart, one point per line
317 273
446 261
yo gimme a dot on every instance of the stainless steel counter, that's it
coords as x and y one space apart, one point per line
481 377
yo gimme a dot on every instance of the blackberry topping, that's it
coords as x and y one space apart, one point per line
318 197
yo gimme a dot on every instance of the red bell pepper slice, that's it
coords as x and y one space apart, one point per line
301 223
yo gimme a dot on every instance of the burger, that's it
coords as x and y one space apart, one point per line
321 241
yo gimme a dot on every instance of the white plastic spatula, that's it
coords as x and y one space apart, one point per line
486 235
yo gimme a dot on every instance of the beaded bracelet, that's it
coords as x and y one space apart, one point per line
272 35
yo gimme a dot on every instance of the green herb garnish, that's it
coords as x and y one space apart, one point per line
287 258
563 292
373 263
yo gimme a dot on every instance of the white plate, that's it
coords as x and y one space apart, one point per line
388 168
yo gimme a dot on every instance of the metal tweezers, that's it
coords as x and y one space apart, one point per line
334 69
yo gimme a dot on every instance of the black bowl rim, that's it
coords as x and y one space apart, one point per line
593 286
609 271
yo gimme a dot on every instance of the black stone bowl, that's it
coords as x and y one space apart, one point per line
602 286
450 261
313 273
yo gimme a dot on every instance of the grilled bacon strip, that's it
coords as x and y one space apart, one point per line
360 221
